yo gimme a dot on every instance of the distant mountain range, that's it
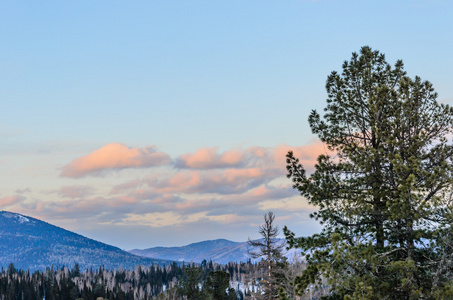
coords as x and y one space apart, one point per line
221 251
33 244
36 245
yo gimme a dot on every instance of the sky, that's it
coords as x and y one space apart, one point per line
163 123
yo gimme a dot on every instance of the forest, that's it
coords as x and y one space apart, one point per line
207 280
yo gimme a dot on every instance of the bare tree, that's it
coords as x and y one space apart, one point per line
270 250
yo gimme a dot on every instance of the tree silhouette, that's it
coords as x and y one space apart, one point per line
271 253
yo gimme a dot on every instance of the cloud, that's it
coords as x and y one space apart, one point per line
307 154
207 173
126 186
244 204
11 200
23 191
255 156
208 185
146 207
114 157
229 181
75 191
208 158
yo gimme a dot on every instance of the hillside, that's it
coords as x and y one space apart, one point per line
220 250
33 244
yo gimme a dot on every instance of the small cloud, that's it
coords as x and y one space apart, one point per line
265 192
307 154
208 158
23 191
75 191
114 157
127 186
11 200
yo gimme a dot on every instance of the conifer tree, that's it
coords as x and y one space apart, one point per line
218 286
384 197
190 283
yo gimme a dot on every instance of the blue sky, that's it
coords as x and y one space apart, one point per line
204 86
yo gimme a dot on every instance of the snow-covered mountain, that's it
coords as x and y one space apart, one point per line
33 244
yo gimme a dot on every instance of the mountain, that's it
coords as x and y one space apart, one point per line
196 252
221 251
33 244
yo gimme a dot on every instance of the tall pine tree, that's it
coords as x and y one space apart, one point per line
384 197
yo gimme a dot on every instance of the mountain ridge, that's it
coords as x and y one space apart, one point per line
194 252
221 251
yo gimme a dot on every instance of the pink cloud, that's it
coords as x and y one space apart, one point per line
143 201
114 157
11 200
307 154
208 158
253 167
236 182
229 181
221 204
265 192
252 157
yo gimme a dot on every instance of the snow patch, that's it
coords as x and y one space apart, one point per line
22 219
18 217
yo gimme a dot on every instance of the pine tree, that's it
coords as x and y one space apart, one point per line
384 197
190 283
218 286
